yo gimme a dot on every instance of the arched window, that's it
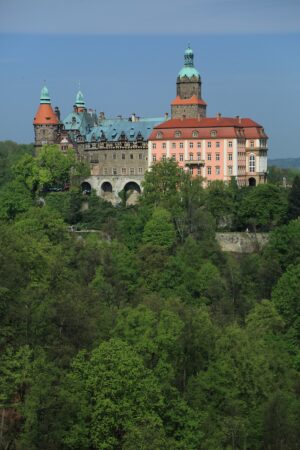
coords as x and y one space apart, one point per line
252 163
159 135
195 133
177 133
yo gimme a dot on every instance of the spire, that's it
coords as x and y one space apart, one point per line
188 69
189 57
80 103
45 98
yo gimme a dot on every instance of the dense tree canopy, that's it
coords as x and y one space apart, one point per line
143 334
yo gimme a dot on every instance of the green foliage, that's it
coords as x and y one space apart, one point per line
263 207
10 153
143 333
159 230
294 199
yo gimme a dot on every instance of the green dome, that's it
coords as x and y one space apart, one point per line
45 98
188 69
80 100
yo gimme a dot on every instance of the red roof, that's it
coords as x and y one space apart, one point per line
226 127
45 115
188 101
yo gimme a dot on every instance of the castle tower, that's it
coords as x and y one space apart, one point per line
46 121
80 103
188 102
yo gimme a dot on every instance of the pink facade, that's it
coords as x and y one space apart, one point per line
213 148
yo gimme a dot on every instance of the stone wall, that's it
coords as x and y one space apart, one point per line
242 242
188 111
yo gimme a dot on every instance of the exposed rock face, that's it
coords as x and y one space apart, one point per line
242 242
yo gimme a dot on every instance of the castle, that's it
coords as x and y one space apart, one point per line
120 150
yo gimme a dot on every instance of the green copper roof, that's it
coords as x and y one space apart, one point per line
188 69
80 100
45 98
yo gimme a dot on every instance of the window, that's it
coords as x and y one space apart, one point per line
218 144
217 170
199 171
252 144
105 171
252 163
177 134
209 144
195 133
114 156
131 155
230 144
140 155
199 156
191 144
164 145
163 157
199 144
208 156
140 170
191 156
154 158
229 156
123 155
229 170
123 170
213 133
217 156
181 145
114 171
191 170
208 170
181 157
159 135
153 145
173 157
173 144
131 171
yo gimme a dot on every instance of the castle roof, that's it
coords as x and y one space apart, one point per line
226 127
188 69
45 114
116 129
188 101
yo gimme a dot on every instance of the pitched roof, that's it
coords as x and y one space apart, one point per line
45 115
226 127
114 128
188 101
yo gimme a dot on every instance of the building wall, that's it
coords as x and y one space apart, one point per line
188 111
45 134
187 87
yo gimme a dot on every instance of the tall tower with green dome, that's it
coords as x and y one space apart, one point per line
46 121
188 102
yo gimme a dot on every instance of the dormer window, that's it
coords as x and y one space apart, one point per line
213 133
195 133
177 134
159 135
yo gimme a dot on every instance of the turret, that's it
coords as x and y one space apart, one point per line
46 121
79 103
188 102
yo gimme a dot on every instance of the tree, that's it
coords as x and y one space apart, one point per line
122 396
294 199
263 207
159 230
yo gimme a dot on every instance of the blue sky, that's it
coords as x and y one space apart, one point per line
126 56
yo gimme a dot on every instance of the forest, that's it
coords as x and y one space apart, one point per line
143 334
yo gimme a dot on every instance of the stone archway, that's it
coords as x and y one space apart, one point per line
86 188
132 190
252 181
106 187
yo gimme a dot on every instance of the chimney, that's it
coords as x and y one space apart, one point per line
101 116
166 116
57 112
218 115
239 119
133 117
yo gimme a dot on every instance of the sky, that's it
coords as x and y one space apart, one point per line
125 56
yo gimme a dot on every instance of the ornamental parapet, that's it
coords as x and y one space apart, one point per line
194 162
